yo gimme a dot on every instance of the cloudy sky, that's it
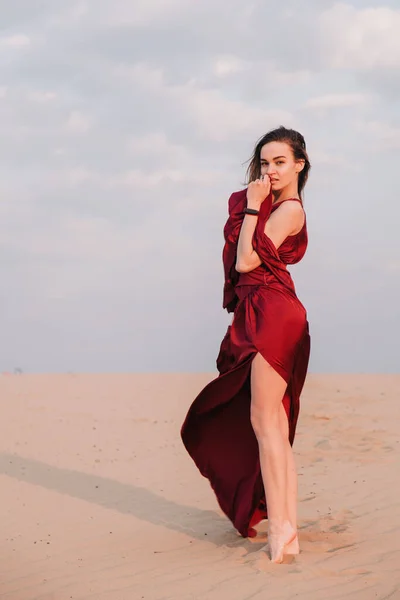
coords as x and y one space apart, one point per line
125 126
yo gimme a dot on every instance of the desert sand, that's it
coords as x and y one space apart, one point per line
99 499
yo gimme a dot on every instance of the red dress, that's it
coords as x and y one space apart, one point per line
270 319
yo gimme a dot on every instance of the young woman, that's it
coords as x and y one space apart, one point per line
240 428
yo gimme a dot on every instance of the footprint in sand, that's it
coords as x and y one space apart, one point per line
260 560
321 417
327 534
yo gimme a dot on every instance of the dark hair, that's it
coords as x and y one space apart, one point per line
298 145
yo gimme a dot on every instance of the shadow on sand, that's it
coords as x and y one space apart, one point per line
125 498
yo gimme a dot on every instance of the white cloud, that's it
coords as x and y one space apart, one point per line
153 178
281 77
79 10
79 175
167 163
136 13
16 41
156 146
329 101
366 38
140 74
77 123
214 115
84 249
228 65
218 118
261 73
42 97
133 179
321 157
383 135
392 266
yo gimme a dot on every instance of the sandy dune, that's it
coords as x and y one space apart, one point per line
99 499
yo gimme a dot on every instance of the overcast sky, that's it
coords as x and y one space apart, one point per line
124 128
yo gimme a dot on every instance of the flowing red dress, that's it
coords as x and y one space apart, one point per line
270 319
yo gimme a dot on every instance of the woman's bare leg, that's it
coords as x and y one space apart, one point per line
291 488
267 391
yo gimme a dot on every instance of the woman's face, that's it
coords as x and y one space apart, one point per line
278 162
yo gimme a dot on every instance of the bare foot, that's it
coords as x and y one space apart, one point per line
292 547
280 535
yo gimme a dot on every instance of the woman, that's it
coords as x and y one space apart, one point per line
240 428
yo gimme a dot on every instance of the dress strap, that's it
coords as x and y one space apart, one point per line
280 201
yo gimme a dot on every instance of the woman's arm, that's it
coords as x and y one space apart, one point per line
286 220
246 255
257 192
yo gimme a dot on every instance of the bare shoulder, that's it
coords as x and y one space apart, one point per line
288 217
290 207
294 213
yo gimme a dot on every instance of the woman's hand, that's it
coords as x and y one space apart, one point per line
257 191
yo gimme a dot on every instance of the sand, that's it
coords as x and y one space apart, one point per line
99 499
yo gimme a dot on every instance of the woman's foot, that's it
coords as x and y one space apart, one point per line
292 547
281 535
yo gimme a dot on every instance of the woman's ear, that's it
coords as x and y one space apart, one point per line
300 165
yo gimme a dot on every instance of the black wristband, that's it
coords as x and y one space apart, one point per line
251 211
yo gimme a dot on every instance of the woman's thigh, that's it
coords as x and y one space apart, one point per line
267 392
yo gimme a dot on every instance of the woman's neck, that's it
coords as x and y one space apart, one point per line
285 194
